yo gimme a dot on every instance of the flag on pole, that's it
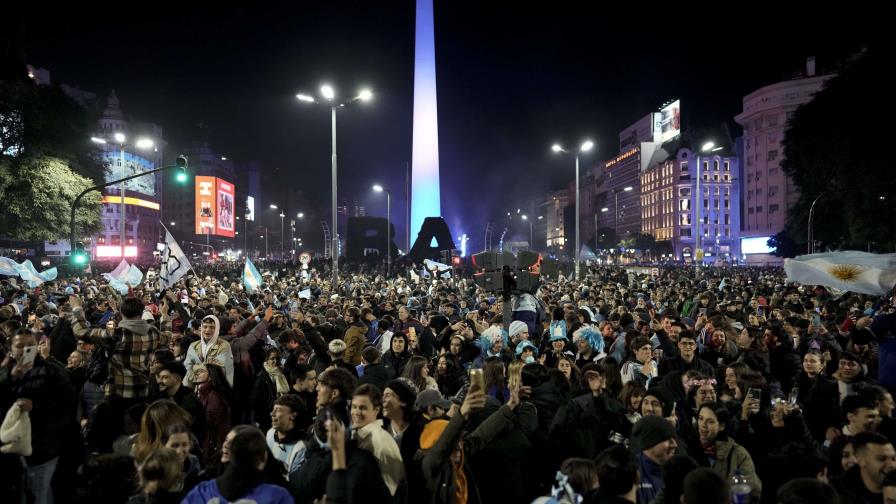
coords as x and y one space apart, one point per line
849 270
251 278
174 262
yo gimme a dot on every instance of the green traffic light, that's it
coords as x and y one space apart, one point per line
80 258
181 177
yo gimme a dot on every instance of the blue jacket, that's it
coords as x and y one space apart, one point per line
207 492
651 479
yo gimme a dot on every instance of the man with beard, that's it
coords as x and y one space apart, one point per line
654 440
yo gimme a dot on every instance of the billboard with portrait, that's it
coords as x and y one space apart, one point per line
225 208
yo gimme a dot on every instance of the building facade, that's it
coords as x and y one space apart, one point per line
141 195
768 193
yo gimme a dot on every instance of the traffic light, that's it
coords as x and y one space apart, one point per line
79 256
181 163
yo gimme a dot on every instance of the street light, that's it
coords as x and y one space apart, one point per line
329 94
531 234
142 143
273 206
282 215
379 188
300 215
585 147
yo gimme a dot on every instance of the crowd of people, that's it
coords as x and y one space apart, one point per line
700 387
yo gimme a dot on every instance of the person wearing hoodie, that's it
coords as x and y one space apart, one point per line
398 355
374 372
241 339
210 347
243 479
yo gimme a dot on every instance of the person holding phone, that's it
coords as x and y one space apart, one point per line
44 390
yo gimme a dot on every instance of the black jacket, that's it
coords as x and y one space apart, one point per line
820 400
377 374
852 489
50 390
678 364
264 393
364 481
785 365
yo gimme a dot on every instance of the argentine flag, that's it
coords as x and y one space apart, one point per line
251 277
849 270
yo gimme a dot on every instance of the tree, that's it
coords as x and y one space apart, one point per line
605 239
645 242
832 150
784 245
43 121
38 193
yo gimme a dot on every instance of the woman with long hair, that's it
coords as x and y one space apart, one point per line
572 373
178 437
721 348
160 477
631 396
417 371
712 446
270 383
495 380
612 376
216 396
731 390
157 418
449 374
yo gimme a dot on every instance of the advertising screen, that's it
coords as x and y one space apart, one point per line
250 208
669 124
225 209
757 245
205 205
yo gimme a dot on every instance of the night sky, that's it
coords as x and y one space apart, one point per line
511 81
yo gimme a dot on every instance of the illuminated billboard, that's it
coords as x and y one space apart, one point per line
132 166
226 208
106 251
757 245
205 205
250 208
215 207
668 123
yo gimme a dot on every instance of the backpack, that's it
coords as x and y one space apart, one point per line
98 363
98 366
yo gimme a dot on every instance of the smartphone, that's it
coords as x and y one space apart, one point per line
754 393
760 310
702 311
28 355
794 395
816 319
477 380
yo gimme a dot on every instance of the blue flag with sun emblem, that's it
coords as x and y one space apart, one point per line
251 277
849 270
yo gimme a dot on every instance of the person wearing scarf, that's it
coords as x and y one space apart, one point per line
270 383
711 446
209 348
243 478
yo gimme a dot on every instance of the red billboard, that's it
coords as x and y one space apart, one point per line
215 207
